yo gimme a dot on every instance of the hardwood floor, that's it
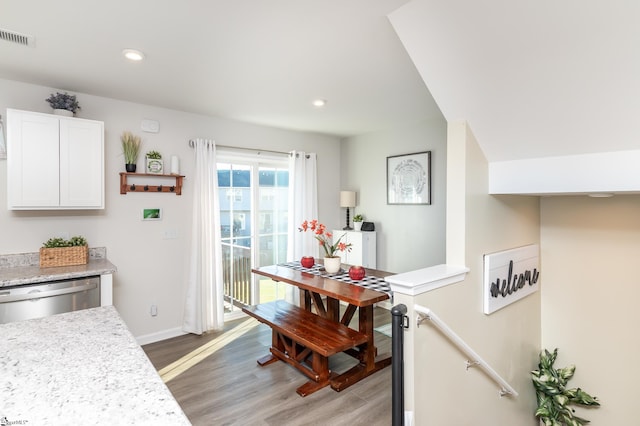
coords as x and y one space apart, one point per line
228 387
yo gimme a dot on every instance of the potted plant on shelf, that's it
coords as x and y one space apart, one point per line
63 104
331 259
554 397
154 162
357 222
130 149
61 252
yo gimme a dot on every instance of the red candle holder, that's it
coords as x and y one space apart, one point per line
307 261
356 273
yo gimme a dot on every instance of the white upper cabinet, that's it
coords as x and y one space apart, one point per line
54 162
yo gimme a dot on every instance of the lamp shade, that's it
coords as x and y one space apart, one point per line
347 199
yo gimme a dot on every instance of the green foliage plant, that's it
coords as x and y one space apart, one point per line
155 155
130 147
76 241
553 395
358 218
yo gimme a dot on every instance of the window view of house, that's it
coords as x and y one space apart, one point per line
253 222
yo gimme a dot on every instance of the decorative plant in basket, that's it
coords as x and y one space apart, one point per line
61 252
553 395
64 101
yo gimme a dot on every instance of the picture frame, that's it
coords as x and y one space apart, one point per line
154 166
152 214
409 178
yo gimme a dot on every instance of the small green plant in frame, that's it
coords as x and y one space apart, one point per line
152 214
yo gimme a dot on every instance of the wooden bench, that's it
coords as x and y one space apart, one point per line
298 334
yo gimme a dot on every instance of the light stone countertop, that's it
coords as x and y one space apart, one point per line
80 368
24 268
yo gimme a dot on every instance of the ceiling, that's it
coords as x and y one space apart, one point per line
532 78
252 60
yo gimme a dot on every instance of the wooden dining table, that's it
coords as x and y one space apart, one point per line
323 295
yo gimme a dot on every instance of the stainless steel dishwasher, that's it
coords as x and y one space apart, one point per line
23 302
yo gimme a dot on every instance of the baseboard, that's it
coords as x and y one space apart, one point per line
160 335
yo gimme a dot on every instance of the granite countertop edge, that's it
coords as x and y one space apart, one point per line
24 269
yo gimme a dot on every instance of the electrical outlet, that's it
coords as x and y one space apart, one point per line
170 234
154 310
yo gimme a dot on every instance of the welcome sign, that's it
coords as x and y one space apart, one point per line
510 276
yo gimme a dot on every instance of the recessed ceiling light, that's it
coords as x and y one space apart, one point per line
319 103
133 54
600 195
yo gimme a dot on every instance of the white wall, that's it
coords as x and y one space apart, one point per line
409 237
590 294
151 270
445 393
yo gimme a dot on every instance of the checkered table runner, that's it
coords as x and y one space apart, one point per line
370 282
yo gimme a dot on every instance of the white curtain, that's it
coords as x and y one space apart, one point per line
303 204
204 304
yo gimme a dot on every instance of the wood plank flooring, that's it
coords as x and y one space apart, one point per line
228 387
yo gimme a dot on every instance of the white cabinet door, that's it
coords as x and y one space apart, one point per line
345 239
32 160
81 165
54 162
363 248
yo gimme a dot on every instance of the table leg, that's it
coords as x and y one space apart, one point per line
333 309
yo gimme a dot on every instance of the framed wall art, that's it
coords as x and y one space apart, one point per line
151 214
409 178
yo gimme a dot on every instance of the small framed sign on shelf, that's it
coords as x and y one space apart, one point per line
154 166
409 178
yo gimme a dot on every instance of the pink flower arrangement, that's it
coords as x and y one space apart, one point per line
324 237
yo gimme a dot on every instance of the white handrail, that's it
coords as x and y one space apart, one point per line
475 359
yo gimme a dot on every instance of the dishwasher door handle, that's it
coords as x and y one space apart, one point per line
6 297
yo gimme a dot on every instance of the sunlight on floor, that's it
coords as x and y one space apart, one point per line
178 367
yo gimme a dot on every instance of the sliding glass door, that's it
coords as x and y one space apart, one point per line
253 219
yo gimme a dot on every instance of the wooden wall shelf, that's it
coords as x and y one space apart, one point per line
143 187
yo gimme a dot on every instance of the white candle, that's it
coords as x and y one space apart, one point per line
175 165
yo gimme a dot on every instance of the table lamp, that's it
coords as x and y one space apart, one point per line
348 200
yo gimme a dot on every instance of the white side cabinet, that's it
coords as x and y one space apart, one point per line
363 247
54 162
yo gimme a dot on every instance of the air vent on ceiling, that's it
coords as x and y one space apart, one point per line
14 37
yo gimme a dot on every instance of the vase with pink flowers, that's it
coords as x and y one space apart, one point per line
325 238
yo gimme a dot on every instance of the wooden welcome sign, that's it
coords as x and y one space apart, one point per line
510 276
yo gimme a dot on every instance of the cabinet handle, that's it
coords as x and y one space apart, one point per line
39 294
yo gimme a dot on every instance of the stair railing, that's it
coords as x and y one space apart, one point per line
474 359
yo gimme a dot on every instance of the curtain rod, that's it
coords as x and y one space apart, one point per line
250 149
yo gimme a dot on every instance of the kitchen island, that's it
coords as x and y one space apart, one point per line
82 367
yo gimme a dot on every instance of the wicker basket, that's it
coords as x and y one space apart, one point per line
63 256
